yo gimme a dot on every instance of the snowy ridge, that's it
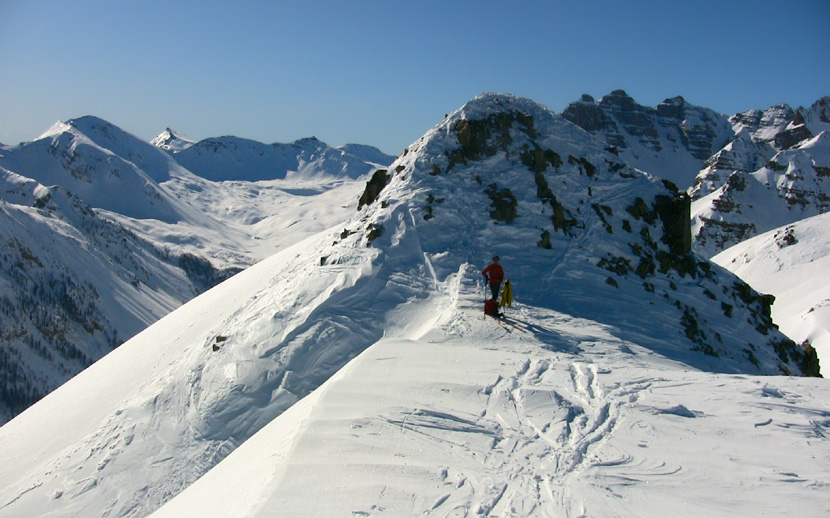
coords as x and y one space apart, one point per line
597 264
563 418
233 158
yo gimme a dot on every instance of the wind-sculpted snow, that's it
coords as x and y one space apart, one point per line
560 418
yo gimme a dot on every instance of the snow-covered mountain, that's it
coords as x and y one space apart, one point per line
775 171
445 411
103 234
748 173
76 285
671 141
233 158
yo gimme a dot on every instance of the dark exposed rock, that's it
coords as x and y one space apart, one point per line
481 138
675 213
544 242
587 115
538 159
503 206
373 188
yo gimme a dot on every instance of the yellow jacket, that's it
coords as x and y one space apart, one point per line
506 295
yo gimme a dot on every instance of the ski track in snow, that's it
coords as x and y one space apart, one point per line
552 430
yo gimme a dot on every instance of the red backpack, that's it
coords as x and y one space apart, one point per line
490 308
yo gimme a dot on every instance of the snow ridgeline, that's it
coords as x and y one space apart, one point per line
585 240
558 418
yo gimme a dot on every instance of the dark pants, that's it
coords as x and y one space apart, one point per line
494 288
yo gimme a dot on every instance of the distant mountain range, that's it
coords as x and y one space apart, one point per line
747 174
103 234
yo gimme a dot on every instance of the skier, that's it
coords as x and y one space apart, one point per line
494 274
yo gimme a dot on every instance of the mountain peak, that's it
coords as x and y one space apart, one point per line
506 175
172 141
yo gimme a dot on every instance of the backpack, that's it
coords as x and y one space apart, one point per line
490 308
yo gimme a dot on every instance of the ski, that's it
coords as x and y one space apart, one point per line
508 322
499 322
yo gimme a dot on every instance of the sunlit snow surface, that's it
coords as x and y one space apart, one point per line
560 418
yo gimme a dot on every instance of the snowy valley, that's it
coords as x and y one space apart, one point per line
347 369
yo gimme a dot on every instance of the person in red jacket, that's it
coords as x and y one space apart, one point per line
494 274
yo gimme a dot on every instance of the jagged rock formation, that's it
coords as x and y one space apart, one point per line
772 173
670 141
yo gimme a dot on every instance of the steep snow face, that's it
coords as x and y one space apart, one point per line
233 158
794 184
791 263
670 141
583 238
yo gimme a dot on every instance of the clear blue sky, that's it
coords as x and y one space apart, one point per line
384 72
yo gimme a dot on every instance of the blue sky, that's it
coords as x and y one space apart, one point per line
384 72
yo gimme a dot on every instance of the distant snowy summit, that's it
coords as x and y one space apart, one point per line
232 158
172 141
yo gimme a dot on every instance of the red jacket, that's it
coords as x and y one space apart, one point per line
494 273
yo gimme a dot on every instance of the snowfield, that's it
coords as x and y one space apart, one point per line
560 418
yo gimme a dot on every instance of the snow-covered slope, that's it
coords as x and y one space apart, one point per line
562 420
104 233
74 286
598 261
791 263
